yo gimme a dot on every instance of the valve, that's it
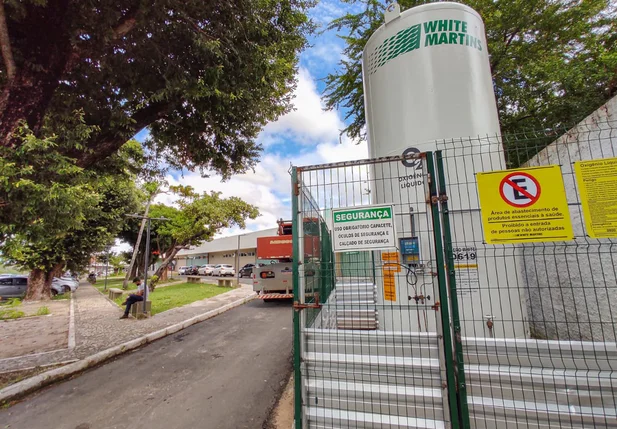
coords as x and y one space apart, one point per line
419 298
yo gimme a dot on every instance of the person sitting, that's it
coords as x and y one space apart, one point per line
133 298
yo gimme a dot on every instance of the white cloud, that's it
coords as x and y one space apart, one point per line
254 188
326 11
308 122
324 53
121 246
269 186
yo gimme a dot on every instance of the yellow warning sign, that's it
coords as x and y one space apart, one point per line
389 285
389 256
524 206
391 261
597 185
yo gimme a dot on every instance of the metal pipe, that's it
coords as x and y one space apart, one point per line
146 265
238 257
106 270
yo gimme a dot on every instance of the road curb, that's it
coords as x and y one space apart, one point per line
31 384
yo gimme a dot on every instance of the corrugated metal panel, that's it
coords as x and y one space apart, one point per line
541 384
356 379
372 379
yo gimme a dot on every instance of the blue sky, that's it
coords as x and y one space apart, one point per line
307 135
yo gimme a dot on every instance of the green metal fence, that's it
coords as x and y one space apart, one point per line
465 331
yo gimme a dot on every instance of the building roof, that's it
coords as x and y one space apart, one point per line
247 241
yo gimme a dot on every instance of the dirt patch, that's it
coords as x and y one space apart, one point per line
283 414
39 334
8 378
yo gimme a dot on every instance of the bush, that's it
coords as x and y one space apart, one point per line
152 283
43 311
13 302
11 314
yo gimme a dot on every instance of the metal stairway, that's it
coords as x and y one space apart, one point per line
355 302
372 379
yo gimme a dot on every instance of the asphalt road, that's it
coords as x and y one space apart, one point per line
224 373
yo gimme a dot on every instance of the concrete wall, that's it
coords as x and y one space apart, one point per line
572 286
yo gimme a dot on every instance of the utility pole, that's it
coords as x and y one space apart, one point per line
238 255
136 249
107 267
146 220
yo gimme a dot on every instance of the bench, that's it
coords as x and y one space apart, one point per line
193 279
226 282
115 293
137 309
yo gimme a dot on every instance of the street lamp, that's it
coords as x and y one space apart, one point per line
238 256
108 250
147 252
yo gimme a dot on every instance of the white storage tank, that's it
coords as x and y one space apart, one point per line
427 79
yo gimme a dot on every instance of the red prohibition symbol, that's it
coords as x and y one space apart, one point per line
520 189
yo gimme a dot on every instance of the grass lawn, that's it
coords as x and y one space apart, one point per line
116 282
169 297
7 269
61 297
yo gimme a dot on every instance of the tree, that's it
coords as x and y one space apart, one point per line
152 190
117 262
197 218
56 214
553 62
204 76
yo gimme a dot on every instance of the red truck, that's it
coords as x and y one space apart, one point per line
275 280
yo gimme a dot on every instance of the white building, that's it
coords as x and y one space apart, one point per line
225 250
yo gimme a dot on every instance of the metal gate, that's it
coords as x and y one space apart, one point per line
458 333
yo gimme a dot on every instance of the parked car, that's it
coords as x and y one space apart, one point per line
182 271
246 270
223 270
15 286
192 270
12 286
206 270
67 284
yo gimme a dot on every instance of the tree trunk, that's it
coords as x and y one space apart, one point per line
27 95
137 243
171 254
39 286
39 283
134 272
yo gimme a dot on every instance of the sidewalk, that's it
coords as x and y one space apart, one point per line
97 326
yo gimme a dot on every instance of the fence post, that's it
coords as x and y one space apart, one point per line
456 320
443 292
297 255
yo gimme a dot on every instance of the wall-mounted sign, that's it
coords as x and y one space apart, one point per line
363 228
523 206
597 185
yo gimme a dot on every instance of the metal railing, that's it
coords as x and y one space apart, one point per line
461 333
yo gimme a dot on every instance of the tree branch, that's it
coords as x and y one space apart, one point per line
122 28
126 23
108 143
508 42
196 27
5 45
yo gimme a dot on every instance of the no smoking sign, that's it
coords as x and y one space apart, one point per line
515 210
520 189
